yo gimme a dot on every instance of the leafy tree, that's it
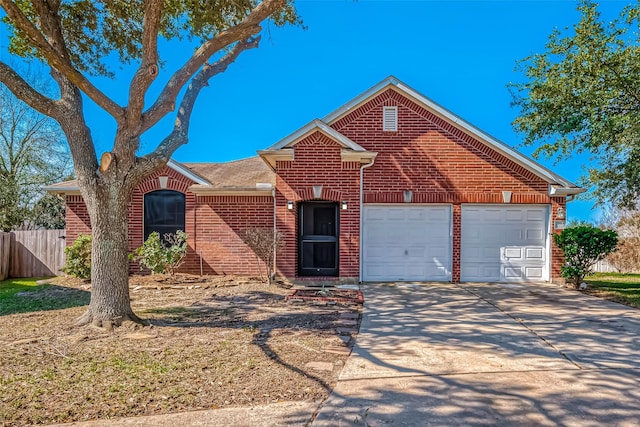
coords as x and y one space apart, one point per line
162 256
626 258
74 38
33 153
49 213
583 246
582 94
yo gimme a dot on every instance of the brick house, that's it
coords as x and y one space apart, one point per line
389 187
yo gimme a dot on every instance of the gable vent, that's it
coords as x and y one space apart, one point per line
390 119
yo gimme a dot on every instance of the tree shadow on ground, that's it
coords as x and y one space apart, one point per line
262 313
576 356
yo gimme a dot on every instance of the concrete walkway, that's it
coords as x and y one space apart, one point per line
489 354
274 415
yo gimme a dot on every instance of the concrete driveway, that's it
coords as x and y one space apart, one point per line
489 354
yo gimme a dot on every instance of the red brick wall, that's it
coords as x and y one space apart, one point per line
438 163
214 226
317 162
77 219
220 223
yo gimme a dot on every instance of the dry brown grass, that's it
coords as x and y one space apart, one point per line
212 342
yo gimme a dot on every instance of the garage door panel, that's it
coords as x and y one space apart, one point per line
534 254
381 251
536 215
513 215
375 215
535 273
535 235
440 253
380 270
504 243
511 273
406 243
416 252
440 215
514 253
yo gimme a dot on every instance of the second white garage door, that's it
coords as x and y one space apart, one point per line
504 243
406 243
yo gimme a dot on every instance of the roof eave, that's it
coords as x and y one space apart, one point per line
69 190
183 170
272 156
364 157
555 191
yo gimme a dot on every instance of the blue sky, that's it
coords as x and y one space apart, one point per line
461 54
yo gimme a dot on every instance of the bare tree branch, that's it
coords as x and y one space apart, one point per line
148 70
247 28
59 61
180 132
24 91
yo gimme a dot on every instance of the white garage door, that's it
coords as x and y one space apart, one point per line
504 243
406 243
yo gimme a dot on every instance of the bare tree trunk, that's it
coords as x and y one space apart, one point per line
110 302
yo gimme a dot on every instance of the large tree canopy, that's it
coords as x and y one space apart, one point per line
75 38
583 95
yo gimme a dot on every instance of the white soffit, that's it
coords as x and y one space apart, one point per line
499 146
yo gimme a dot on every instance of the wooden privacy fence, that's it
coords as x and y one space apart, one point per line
31 253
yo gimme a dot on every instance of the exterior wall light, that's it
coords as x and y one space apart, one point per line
561 213
344 205
290 205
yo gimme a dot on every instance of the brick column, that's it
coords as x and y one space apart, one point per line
456 243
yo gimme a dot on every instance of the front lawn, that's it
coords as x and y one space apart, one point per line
212 342
618 287
26 295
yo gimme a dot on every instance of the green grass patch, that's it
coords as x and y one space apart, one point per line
620 287
26 295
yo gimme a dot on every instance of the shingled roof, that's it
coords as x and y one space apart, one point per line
239 173
236 177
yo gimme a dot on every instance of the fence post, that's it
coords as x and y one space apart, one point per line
5 244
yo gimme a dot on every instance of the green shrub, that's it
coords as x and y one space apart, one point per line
583 246
79 258
162 257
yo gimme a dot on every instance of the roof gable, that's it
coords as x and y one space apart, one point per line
315 126
456 121
283 149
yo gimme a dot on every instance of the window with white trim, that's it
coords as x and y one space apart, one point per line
390 119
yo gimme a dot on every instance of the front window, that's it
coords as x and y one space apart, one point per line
164 212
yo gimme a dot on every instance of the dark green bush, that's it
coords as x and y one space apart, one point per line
79 258
583 246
